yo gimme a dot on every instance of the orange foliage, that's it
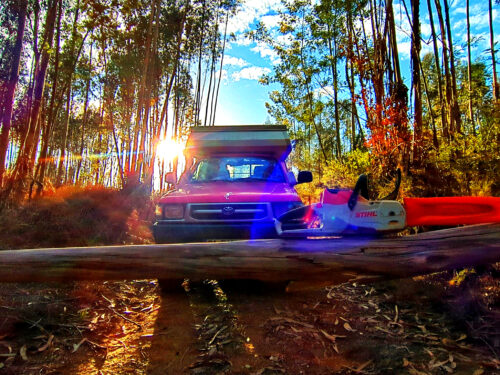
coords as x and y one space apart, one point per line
389 138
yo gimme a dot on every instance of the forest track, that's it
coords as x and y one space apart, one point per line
132 328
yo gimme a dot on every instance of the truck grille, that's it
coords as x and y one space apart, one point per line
228 212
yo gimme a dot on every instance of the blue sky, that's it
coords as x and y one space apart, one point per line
242 98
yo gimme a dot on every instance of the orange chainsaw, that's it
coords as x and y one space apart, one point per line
349 212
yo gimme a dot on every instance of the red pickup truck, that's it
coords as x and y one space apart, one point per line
235 186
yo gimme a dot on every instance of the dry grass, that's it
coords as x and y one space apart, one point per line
74 216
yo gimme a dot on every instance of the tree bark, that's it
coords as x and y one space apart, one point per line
59 177
439 76
333 67
469 69
8 102
496 91
140 117
455 110
336 261
417 90
52 113
393 41
23 167
447 76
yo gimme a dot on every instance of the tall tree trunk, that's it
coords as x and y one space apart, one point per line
393 41
496 91
333 67
469 70
216 94
417 90
447 75
140 117
437 63
33 69
52 113
208 103
62 161
8 102
455 109
85 116
198 92
23 168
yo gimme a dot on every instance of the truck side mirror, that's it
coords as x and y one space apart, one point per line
304 176
171 178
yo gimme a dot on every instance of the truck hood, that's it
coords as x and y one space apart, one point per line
232 192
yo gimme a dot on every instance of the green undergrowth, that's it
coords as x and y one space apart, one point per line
78 216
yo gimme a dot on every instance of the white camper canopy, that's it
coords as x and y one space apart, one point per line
248 139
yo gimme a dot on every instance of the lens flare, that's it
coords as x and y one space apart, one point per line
168 149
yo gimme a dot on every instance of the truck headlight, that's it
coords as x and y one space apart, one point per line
159 211
173 211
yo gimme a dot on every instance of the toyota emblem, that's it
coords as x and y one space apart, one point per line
228 211
228 195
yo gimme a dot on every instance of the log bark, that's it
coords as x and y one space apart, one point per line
334 260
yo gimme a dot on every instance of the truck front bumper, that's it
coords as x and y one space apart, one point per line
171 232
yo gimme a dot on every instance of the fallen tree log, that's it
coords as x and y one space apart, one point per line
334 259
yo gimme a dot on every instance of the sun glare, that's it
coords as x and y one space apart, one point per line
168 149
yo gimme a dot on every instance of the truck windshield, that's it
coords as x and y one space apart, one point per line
237 169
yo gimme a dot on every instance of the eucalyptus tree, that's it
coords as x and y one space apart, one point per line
11 57
496 90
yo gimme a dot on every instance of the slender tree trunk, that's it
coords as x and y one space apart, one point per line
469 70
8 102
393 41
59 178
455 109
496 91
23 168
417 90
33 69
198 95
333 67
141 97
148 125
447 75
85 117
52 113
220 69
437 60
206 120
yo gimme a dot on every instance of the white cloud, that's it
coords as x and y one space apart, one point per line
250 11
481 20
236 61
253 73
458 10
425 29
404 49
242 40
223 76
265 51
459 25
271 21
285 40
324 91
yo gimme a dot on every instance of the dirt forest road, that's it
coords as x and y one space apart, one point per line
439 324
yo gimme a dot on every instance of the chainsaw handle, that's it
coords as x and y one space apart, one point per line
361 187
